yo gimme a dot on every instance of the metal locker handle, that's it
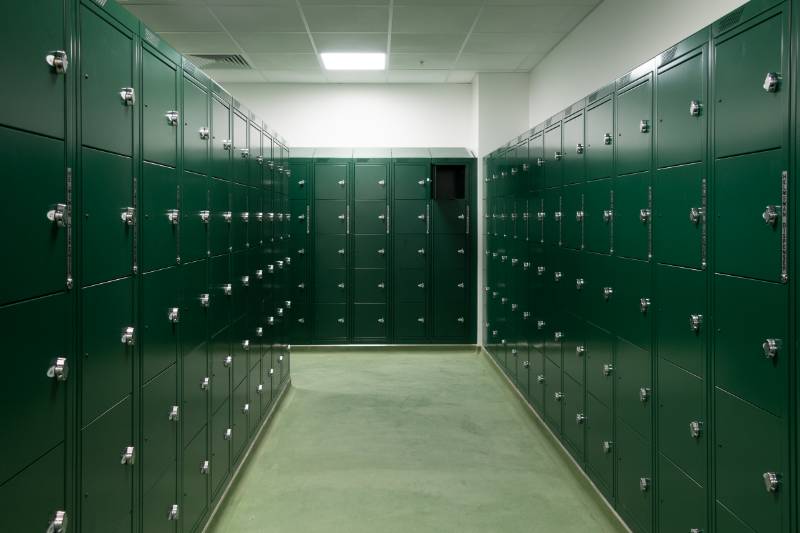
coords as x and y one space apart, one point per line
173 315
382 183
172 118
58 215
173 512
128 456
421 320
59 370
771 214
204 133
607 139
772 481
59 523
227 144
341 183
694 108
58 60
128 96
340 321
772 82
644 126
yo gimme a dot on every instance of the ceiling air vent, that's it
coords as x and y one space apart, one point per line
219 61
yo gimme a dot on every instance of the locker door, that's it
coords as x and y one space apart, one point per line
369 285
221 216
679 204
600 364
241 414
256 389
219 305
553 158
160 217
369 321
742 61
330 181
681 111
411 181
255 220
37 81
330 285
159 102
536 388
331 217
221 360
600 445
536 153
160 316
634 390
553 217
195 126
553 395
240 349
597 213
34 502
108 94
411 251
106 482
575 348
369 217
574 416
160 418
240 217
241 150
35 170
574 149
330 321
682 317
635 129
193 228
299 183
599 141
573 216
410 320
221 435
221 142
682 501
634 478
632 216
411 216
449 216
371 182
634 298
157 504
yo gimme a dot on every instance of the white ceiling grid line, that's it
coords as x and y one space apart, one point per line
425 41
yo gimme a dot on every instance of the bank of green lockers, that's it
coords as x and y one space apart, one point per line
388 247
151 216
639 285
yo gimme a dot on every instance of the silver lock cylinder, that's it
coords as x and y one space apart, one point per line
279 311
771 347
539 162
259 216
558 156
205 384
128 336
227 361
205 300
608 215
381 320
644 305
540 378
579 216
579 283
557 276
205 216
58 215
772 82
228 434
271 372
695 429
173 512
644 394
694 108
607 446
173 315
270 320
607 292
172 118
644 215
128 456
558 396
340 320
287 304
580 350
695 321
204 133
245 216
246 345
59 370
526 364
421 320
513 352
526 315
608 369
540 270
771 214
205 467
128 96
540 325
696 214
580 418
607 139
228 216
59 523
244 152
541 215
246 408
644 126
557 216
128 216
227 144
644 484
174 414
558 336
227 289
260 388
245 281
259 331
579 149
772 481
58 60
174 216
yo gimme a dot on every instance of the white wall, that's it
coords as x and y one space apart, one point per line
364 115
616 37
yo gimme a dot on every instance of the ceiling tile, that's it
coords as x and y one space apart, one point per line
350 42
531 61
260 19
437 42
234 76
356 77
422 61
293 76
343 2
523 19
159 2
511 42
201 42
417 76
438 2
175 18
544 2
285 3
274 42
433 19
461 76
284 61
347 18
490 62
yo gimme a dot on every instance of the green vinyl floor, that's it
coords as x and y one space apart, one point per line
407 441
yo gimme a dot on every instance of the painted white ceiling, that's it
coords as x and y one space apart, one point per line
426 40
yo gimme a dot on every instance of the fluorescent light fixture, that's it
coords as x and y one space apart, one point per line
353 61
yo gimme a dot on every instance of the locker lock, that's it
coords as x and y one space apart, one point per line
579 216
172 118
59 523
771 481
540 270
503 258
244 152
382 251
695 429
259 331
607 292
270 269
381 285
580 350
540 216
246 345
279 311
270 320
227 289
539 162
421 183
270 216
770 214
421 320
558 336
260 388
128 456
644 305
607 446
173 215
342 216
540 378
173 512
128 338
246 408
301 251
694 108
205 467
644 484
772 82
60 63
421 217
580 418
421 251
540 325
173 315
381 320
557 216
608 369
245 217
341 183
695 214
771 348
58 215
525 167
504 300
644 126
205 216
259 216
579 149
301 286
644 394
173 414
514 352
421 285
526 265
227 144
128 96
340 285
227 216
128 215
513 171
460 285
607 139
557 276
558 396
271 372
644 215
340 320
279 264
205 300
228 434
494 333
608 214
245 281
205 384
228 361
526 315
382 183
204 133
514 307
301 320
503 342
59 370
579 283
558 156
695 321
526 364
287 304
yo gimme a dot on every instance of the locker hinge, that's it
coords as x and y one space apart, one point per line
611 223
704 223
785 227
541 221
583 221
68 222
560 220
134 225
650 222
178 232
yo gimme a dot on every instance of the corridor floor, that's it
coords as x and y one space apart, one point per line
406 441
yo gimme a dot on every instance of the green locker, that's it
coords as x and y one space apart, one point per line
220 363
221 216
553 157
331 251
536 388
369 217
255 390
330 181
369 321
330 285
160 113
573 216
241 149
108 216
600 140
239 217
552 217
681 500
682 319
600 445
574 416
370 285
241 413
240 350
410 321
371 181
536 154
160 318
255 155
600 286
635 128
221 435
411 181
450 251
632 230
634 390
574 148
109 339
160 419
330 322
411 216
449 217
220 290
107 471
160 217
37 166
553 395
370 251
634 478
221 142
195 126
240 285
680 207
574 344
35 503
411 251
194 210
450 287
160 511
332 217
634 299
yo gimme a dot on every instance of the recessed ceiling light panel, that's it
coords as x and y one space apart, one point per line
353 61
